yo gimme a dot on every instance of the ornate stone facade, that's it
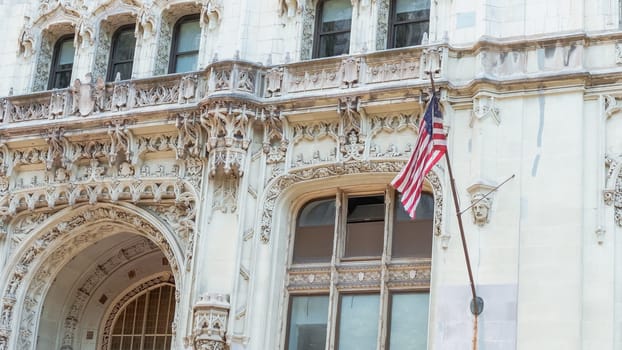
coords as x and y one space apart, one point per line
196 179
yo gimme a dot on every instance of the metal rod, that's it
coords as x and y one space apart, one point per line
461 227
487 194
459 217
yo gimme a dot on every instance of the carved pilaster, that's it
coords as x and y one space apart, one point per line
274 141
210 318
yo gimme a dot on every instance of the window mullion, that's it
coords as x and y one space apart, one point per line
333 305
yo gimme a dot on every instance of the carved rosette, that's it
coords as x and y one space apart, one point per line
210 317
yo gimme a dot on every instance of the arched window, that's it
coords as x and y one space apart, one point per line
368 235
332 28
62 63
145 322
185 46
122 53
409 19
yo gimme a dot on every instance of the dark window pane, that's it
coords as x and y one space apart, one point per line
314 232
409 321
365 226
333 32
334 44
308 316
62 64
409 34
62 80
125 69
413 238
125 45
409 20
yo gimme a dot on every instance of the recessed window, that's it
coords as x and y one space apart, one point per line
342 247
315 231
146 321
332 33
185 47
62 63
122 53
408 21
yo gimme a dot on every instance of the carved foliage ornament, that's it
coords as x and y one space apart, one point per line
613 197
209 324
48 241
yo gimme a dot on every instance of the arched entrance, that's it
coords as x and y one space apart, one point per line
67 280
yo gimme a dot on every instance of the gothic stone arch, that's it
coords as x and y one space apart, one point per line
282 183
33 267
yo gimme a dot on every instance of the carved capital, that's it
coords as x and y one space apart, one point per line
210 317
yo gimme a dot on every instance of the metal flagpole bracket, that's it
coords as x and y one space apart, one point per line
477 306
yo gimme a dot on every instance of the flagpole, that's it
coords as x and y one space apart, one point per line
477 303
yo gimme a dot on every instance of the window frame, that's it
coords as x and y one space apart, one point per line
110 76
393 23
335 290
56 57
317 32
146 293
174 54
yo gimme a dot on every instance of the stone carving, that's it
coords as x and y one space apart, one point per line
52 239
87 96
44 57
209 323
382 24
613 197
274 142
120 96
431 61
145 22
350 71
85 33
187 88
618 54
57 145
394 68
314 132
57 104
211 13
190 136
228 136
351 139
484 106
26 40
290 7
482 204
246 80
102 49
285 181
120 141
222 80
165 36
155 95
274 79
225 195
308 22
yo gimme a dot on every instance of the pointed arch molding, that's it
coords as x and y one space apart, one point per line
40 258
284 182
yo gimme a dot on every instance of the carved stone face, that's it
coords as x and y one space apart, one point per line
481 211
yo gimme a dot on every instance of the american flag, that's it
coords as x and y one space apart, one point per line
430 148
